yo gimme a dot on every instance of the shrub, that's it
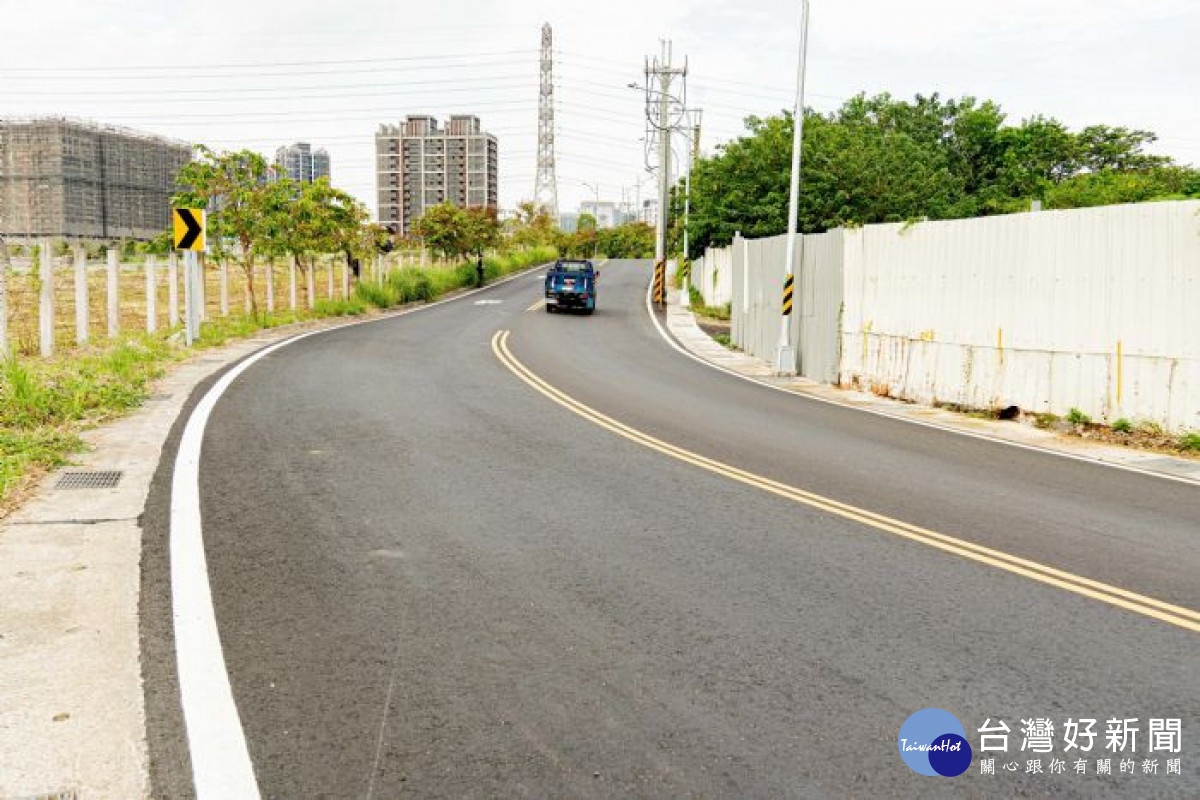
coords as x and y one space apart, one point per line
339 308
381 295
1046 420
1190 441
1077 417
1148 428
1122 425
412 285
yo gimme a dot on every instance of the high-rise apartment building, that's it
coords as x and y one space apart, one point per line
301 163
419 165
61 177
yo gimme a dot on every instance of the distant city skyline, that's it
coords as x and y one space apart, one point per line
302 163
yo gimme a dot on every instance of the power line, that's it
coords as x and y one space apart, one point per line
260 64
169 92
288 74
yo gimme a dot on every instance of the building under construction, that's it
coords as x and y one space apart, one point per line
79 180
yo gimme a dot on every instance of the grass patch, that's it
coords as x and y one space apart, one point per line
1077 417
23 452
696 302
1190 442
1045 421
45 404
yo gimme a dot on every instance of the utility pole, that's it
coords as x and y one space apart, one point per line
545 187
785 360
664 73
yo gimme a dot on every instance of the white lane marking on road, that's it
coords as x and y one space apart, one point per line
537 304
221 764
923 423
488 302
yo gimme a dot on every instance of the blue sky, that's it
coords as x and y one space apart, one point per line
329 72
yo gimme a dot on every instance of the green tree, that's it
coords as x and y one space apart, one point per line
442 229
532 226
1106 148
481 230
233 188
455 232
631 240
880 159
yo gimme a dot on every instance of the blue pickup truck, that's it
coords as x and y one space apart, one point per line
571 285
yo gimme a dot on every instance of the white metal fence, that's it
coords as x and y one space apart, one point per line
1096 309
713 275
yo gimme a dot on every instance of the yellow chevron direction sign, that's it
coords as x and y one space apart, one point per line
686 268
187 226
787 296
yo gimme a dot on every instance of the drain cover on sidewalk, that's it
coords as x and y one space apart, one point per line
96 479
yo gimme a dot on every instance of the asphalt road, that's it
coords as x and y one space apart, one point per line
430 580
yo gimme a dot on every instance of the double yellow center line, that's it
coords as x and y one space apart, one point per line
1139 604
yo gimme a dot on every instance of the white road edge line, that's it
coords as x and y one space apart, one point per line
923 423
221 764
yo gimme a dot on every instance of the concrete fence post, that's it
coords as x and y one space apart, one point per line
113 274
270 285
329 280
82 323
46 304
224 288
201 289
188 307
151 295
345 280
292 285
310 283
5 265
173 289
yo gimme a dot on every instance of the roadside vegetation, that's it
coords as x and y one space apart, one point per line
701 309
881 159
1122 431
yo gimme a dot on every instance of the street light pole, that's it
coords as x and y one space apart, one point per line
785 361
596 208
693 154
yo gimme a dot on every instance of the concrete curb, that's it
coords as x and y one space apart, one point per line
681 323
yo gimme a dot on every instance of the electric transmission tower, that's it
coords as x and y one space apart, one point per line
545 188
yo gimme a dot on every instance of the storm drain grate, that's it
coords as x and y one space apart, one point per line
98 479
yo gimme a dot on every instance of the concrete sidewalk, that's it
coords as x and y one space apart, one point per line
682 325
